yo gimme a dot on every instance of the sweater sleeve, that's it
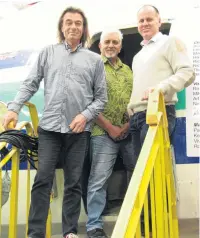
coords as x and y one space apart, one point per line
176 55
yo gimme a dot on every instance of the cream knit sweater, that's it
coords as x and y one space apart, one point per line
163 64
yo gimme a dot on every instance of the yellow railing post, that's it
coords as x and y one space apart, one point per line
173 220
14 196
159 197
154 168
48 226
27 196
153 211
14 156
0 197
146 216
34 116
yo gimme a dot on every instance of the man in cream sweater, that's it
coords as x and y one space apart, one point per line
161 64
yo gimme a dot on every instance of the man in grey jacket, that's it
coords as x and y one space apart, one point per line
75 93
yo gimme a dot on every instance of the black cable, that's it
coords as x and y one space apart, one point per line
27 144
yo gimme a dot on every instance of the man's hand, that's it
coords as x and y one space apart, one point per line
78 124
146 94
10 117
114 131
125 128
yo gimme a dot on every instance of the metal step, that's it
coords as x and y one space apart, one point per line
189 228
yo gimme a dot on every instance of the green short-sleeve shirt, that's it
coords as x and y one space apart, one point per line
119 80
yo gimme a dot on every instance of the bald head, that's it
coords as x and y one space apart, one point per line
149 7
149 21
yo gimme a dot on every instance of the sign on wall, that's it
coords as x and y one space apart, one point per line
188 30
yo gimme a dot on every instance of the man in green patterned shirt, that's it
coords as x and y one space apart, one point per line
108 128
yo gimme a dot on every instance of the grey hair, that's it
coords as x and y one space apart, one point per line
106 32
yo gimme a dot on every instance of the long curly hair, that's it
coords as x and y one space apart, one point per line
85 39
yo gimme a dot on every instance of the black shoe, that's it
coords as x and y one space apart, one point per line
97 233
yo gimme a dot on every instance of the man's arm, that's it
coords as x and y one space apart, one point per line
113 131
100 93
30 86
183 71
27 90
106 125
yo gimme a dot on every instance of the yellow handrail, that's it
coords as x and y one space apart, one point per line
13 156
152 187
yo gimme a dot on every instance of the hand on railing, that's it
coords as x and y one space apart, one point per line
10 120
146 93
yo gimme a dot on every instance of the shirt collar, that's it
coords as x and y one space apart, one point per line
68 48
155 38
119 62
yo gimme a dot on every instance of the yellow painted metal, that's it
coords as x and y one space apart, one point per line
138 231
14 156
154 168
172 198
34 116
28 192
159 197
14 196
142 190
2 144
146 216
153 212
48 226
164 181
0 197
7 157
34 120
129 215
49 220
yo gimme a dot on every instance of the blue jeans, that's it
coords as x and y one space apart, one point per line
139 128
104 152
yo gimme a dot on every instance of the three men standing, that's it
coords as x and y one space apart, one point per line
75 93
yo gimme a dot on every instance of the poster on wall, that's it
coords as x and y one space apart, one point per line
187 29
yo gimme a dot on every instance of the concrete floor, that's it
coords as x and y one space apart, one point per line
189 228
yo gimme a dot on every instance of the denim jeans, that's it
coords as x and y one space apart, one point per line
50 145
139 128
103 154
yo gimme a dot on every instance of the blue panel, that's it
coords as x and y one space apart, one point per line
23 166
14 59
179 143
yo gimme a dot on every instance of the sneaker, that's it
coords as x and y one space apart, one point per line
71 235
97 233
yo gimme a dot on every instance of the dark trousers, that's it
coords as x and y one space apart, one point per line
50 146
139 128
